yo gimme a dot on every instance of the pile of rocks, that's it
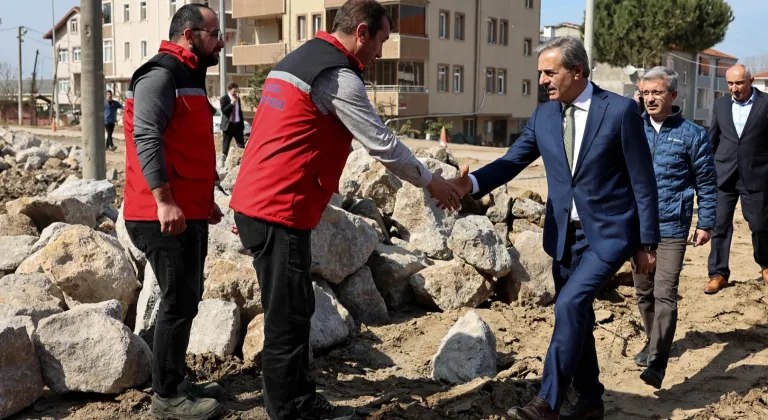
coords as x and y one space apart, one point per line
78 293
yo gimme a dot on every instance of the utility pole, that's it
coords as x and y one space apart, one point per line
21 106
55 107
94 160
223 52
589 32
33 93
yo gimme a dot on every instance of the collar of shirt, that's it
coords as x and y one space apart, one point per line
748 102
325 36
583 101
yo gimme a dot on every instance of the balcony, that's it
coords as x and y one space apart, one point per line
701 114
401 101
254 55
257 9
406 48
704 81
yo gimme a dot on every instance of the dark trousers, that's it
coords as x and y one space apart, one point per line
236 131
754 206
110 128
657 299
177 261
571 356
283 258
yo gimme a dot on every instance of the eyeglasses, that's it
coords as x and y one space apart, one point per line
214 33
654 93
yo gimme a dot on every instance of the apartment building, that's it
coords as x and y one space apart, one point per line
702 76
68 52
469 62
761 81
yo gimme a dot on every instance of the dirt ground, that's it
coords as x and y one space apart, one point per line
718 369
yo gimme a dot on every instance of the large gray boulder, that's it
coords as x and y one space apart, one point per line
451 285
22 382
365 177
331 323
525 208
88 349
360 297
14 250
32 295
215 329
233 278
532 268
502 203
16 225
475 241
147 307
391 268
467 352
98 195
137 256
341 244
47 210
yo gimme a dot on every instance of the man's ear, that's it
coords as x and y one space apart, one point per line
362 31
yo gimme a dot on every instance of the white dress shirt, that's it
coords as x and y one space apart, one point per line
580 113
741 111
236 110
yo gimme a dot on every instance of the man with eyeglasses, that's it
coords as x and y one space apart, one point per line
740 144
684 166
170 174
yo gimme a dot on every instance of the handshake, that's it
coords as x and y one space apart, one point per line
449 192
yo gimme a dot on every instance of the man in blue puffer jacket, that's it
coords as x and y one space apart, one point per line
684 165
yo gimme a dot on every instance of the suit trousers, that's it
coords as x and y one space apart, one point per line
236 131
572 356
754 206
657 299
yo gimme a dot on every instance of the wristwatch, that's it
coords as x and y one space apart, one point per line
650 247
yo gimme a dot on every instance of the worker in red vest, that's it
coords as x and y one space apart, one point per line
313 104
170 171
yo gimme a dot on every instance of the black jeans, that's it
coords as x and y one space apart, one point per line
282 257
235 131
177 261
110 128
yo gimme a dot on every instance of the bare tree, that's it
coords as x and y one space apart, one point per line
9 80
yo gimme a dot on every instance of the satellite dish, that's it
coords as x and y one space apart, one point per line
630 70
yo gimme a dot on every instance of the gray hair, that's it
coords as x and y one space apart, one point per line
572 52
662 73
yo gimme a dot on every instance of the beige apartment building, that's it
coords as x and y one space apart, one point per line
469 62
68 53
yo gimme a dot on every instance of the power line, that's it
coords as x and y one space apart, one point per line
696 62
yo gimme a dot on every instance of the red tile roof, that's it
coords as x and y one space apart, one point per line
716 53
763 75
62 21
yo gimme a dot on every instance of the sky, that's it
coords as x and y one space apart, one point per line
742 40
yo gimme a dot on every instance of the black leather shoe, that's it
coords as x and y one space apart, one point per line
641 359
653 377
585 411
538 409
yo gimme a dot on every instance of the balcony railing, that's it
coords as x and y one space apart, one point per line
396 89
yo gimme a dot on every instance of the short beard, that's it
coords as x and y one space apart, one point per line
204 60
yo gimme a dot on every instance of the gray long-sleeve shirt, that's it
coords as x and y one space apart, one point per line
337 91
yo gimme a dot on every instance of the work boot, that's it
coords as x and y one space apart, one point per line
538 409
716 283
641 359
584 410
654 374
206 390
183 406
320 409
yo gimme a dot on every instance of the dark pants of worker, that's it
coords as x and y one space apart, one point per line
282 258
110 128
177 261
754 206
657 299
572 357
236 132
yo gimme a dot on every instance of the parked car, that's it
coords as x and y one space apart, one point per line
217 124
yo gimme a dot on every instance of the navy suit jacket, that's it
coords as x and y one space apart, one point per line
614 185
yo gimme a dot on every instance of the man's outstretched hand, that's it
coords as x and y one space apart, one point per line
462 183
444 191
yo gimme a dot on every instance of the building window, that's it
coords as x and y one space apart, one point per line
489 87
703 66
172 7
502 85
685 76
469 127
73 26
492 31
301 28
144 49
63 85
442 78
127 50
280 29
106 13
459 27
444 16
527 46
317 22
143 10
107 51
504 32
529 4
458 79
126 12
526 87
63 56
412 20
76 54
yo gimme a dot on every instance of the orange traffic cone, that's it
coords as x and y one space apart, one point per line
443 138
53 125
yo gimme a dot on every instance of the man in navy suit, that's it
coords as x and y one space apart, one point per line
602 209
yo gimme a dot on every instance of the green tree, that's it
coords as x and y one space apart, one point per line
256 84
639 31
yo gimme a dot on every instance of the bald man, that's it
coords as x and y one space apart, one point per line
739 136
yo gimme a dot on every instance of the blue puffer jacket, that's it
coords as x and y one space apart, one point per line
683 162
